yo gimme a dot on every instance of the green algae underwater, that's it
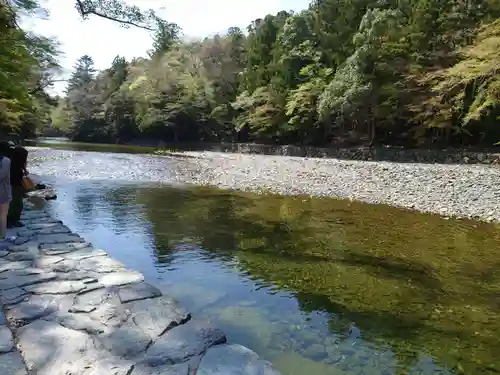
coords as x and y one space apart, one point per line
418 283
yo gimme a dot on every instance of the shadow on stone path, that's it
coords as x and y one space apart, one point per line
69 308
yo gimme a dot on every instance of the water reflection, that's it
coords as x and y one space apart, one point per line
315 285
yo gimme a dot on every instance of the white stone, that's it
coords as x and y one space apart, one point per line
121 278
57 287
50 349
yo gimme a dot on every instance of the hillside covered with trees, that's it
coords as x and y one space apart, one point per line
342 72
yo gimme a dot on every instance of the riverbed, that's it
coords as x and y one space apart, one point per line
313 284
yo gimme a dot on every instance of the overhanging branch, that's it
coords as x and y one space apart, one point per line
85 12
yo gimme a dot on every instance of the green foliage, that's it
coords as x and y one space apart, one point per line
26 64
471 87
402 72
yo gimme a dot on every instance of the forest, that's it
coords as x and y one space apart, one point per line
416 73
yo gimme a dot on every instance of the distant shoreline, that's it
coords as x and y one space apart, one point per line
379 153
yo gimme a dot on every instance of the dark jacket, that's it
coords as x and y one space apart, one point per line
18 165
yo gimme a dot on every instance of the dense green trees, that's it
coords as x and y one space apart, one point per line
411 72
25 63
28 63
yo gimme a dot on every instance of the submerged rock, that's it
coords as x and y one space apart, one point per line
184 341
233 360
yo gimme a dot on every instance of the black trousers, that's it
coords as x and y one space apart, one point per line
16 205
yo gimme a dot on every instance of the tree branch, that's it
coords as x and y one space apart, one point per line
41 87
85 12
80 6
129 23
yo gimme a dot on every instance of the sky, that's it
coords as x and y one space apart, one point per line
103 39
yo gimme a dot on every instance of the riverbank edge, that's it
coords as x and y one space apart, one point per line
68 307
390 154
381 190
359 153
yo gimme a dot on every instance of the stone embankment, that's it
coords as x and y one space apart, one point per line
393 154
68 308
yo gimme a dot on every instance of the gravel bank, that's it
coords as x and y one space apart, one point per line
451 190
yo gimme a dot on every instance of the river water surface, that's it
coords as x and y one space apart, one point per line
317 286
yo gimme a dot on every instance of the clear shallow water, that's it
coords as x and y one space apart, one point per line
315 285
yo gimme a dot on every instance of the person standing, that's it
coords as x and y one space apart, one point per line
5 187
17 172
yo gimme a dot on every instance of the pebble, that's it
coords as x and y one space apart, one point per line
471 191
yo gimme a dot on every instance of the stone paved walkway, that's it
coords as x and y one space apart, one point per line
70 309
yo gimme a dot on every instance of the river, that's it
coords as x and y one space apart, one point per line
315 285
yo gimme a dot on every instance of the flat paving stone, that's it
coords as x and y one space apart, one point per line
21 240
31 246
51 349
184 341
44 225
112 366
43 261
56 287
127 341
31 222
80 322
95 297
137 291
37 306
84 253
63 265
57 229
111 312
26 233
101 264
177 369
12 296
12 364
233 359
21 272
20 256
6 340
155 316
24 280
65 247
10 266
58 238
121 278
83 276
